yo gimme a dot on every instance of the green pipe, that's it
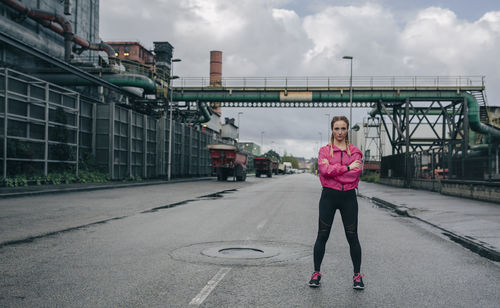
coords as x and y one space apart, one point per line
337 96
473 114
121 80
205 114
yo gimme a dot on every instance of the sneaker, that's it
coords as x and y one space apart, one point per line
315 278
358 281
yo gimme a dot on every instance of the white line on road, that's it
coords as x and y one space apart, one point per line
205 292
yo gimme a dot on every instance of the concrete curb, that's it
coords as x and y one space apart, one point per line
472 245
50 190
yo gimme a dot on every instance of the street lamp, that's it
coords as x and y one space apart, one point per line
262 140
350 94
170 104
329 128
239 113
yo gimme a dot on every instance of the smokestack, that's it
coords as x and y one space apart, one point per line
216 74
163 55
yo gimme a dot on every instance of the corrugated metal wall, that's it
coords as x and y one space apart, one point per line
49 126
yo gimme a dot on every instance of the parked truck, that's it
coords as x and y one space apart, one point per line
287 167
226 161
265 165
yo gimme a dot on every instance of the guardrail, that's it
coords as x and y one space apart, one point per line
337 82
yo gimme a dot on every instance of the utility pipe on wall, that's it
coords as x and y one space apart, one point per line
47 19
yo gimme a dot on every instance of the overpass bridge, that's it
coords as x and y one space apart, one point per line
450 105
455 100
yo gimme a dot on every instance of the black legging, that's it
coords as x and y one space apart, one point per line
346 202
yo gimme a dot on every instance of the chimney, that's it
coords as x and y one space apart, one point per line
163 55
216 74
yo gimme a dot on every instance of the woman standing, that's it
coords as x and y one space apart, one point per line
339 165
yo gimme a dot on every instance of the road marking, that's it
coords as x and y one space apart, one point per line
205 292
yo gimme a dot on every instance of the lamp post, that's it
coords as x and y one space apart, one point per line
350 94
170 104
329 128
262 141
239 113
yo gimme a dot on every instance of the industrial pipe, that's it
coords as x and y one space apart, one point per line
46 19
37 15
121 80
473 116
205 113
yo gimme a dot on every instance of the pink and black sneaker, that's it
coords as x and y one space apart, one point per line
315 280
358 281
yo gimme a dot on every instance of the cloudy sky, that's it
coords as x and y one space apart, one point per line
308 38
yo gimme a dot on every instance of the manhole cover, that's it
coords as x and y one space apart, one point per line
250 253
241 252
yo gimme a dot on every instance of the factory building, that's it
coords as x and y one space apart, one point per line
72 101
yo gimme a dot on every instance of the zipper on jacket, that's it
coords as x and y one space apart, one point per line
341 165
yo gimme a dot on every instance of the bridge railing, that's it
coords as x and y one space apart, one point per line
337 82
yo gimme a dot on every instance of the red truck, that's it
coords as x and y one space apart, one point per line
265 165
227 161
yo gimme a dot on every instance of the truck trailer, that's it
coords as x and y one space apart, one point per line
226 161
265 165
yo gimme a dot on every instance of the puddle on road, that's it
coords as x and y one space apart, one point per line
50 234
213 196
216 195
30 239
167 206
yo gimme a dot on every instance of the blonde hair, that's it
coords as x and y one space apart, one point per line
332 137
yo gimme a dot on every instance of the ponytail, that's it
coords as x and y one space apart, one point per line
347 145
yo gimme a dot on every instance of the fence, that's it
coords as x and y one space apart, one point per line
44 128
39 126
480 164
130 145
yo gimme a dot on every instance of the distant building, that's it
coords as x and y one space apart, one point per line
302 162
133 51
249 147
494 113
229 130
213 126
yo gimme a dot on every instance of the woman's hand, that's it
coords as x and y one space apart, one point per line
355 164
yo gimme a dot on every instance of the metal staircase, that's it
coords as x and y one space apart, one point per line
481 99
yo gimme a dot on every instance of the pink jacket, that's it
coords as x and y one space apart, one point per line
335 175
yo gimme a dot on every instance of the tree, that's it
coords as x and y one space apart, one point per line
292 160
271 154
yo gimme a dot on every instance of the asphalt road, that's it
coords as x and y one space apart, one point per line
248 247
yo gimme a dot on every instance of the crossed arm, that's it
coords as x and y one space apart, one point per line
334 170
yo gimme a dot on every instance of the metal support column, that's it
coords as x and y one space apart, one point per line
407 141
190 152
183 151
77 132
160 146
465 141
94 128
129 146
5 121
145 146
490 158
200 153
46 145
111 141
496 162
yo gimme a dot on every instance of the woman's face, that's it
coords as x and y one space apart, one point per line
339 130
